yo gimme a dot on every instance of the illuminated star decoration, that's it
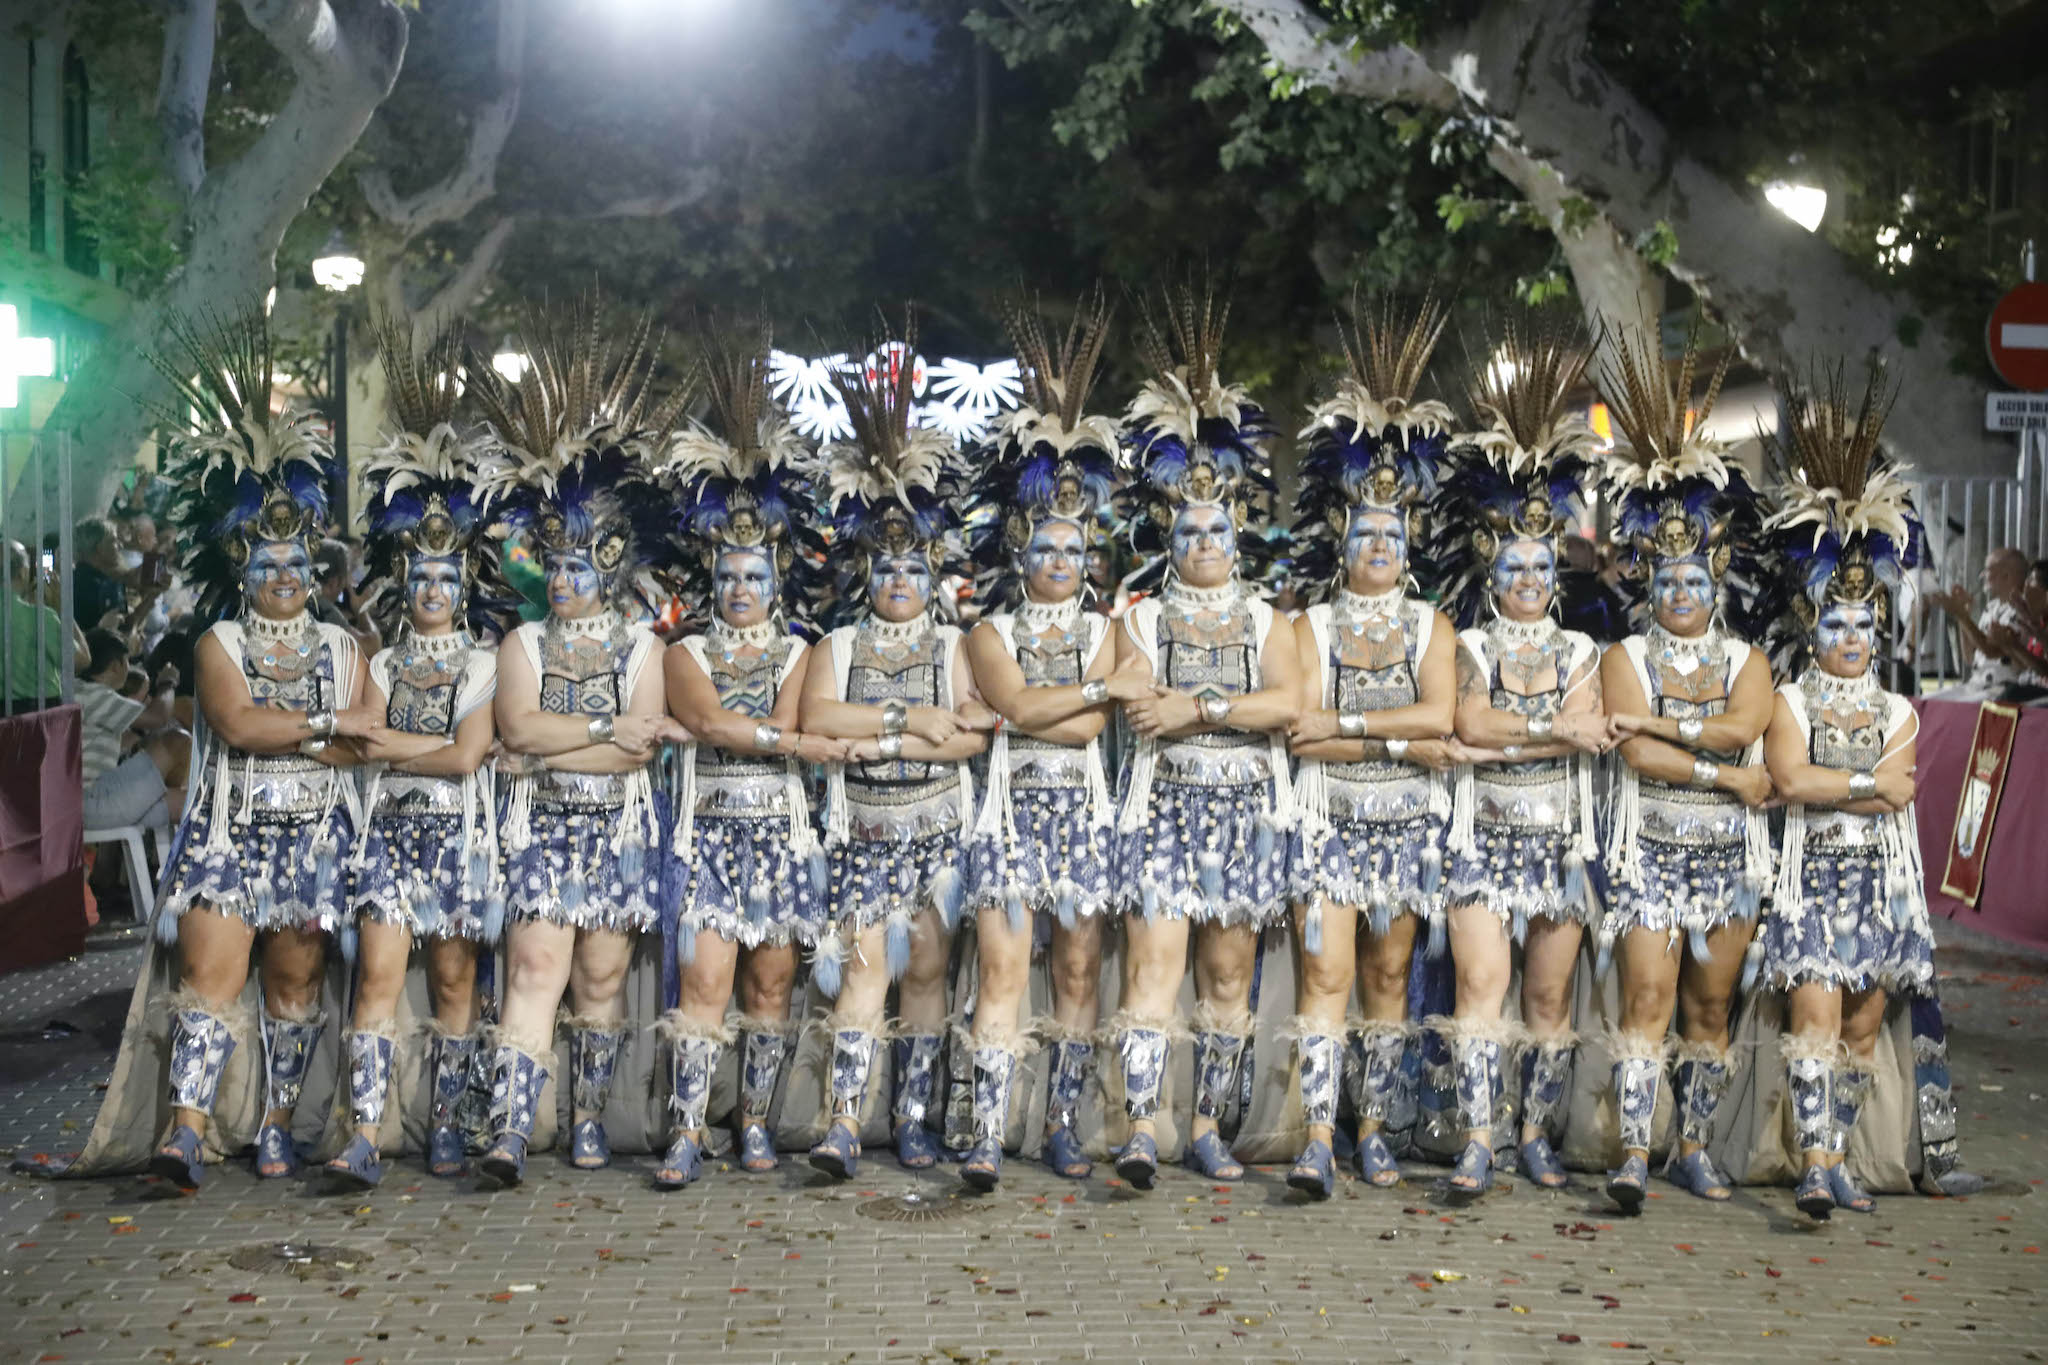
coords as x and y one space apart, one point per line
965 398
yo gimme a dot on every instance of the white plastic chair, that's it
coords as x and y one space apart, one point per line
141 879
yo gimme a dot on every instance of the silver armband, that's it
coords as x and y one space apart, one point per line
767 738
890 746
1541 727
600 729
895 718
321 723
1690 729
313 748
1512 753
1216 710
1862 786
1095 691
1705 774
1351 726
1397 749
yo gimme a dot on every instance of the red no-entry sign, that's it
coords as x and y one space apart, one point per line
2018 337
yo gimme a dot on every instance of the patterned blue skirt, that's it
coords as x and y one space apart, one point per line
742 882
1520 874
873 877
276 874
1847 931
1683 888
570 874
1385 868
411 873
1205 853
1057 859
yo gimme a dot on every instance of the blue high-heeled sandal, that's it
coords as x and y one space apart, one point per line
1315 1171
1540 1163
359 1167
1814 1196
683 1163
838 1153
757 1149
1212 1158
589 1149
1628 1186
1374 1163
916 1148
1475 1164
179 1160
445 1154
1848 1195
1695 1173
505 1163
984 1166
1138 1162
276 1157
1064 1155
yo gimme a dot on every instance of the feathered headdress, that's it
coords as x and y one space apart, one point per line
1522 475
1371 445
1050 462
247 469
744 480
576 439
1195 438
893 486
1676 496
421 481
1845 529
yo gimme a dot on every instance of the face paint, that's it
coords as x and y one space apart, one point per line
744 585
1525 576
1843 638
433 588
278 572
1683 592
1204 545
1053 561
573 584
1376 544
900 587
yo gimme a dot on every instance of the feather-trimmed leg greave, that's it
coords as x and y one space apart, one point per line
516 1080
369 1074
1141 1054
1851 1085
593 1061
1704 1073
1321 1055
287 1048
995 1072
1379 1048
761 1057
1638 1074
1808 1083
453 1055
1476 1060
201 1043
1069 1061
1219 1047
917 1075
853 1064
1546 1077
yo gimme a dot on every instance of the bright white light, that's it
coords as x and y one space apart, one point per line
1805 205
1501 370
21 357
270 301
962 424
890 360
820 420
965 395
798 382
981 389
280 377
340 272
512 364
1893 252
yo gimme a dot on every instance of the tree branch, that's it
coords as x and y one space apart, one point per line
475 179
462 288
181 91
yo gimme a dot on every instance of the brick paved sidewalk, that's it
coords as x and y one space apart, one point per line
789 1268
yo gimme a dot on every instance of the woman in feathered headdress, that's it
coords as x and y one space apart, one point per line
1207 797
581 829
1847 928
427 867
1688 852
895 686
1378 697
258 856
743 855
1043 839
1529 712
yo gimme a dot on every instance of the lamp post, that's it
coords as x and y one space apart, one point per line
338 269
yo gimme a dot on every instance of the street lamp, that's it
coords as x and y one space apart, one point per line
338 270
512 364
1805 205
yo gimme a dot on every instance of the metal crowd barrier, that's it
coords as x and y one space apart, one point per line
35 501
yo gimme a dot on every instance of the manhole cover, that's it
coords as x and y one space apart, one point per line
921 1208
307 1260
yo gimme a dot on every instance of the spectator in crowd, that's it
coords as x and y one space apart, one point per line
1589 598
98 589
35 669
147 787
1994 642
335 601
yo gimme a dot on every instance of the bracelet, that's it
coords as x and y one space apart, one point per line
1215 710
1512 753
312 748
1541 727
767 738
895 718
1690 729
1095 691
1351 726
1862 786
600 729
890 746
321 723
1397 749
1705 774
